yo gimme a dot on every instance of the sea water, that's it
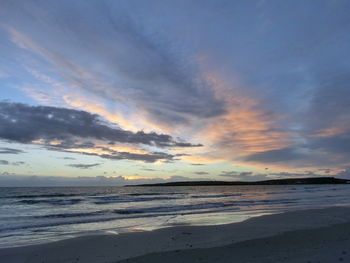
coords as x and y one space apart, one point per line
39 215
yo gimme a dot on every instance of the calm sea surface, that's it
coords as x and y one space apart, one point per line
38 215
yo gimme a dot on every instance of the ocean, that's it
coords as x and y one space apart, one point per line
39 215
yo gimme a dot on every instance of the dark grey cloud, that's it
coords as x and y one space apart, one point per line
83 166
201 173
274 156
25 124
5 150
4 162
68 158
18 163
149 157
78 129
146 157
197 164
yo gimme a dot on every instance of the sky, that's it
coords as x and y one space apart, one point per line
124 92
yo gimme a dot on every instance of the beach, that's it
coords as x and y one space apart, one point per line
313 235
160 131
32 216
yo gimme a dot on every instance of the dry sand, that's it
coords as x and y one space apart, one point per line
319 235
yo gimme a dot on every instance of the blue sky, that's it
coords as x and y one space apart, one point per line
174 90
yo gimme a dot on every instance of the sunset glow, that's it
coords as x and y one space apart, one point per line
101 88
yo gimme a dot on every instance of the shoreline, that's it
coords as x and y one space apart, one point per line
326 244
191 241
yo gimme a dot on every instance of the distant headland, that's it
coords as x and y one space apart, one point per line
290 181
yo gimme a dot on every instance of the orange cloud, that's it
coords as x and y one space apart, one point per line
328 132
205 158
245 128
93 106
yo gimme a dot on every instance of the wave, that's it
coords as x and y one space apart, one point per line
149 210
265 201
215 196
51 201
157 193
36 227
121 199
41 196
281 201
107 215
68 215
155 209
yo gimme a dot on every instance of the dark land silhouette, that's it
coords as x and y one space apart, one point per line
289 181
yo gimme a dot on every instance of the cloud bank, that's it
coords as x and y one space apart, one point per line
77 131
5 150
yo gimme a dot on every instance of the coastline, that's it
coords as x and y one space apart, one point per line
189 243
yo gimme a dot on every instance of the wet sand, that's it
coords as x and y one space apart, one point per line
318 235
